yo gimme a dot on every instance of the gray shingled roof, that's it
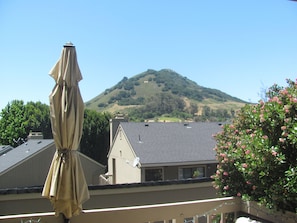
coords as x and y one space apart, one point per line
156 143
22 152
4 149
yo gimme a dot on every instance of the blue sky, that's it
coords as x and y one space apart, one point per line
238 47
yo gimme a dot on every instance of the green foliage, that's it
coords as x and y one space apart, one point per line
95 138
257 152
215 115
158 105
18 119
38 119
131 101
102 105
12 123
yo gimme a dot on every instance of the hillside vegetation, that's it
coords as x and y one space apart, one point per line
165 95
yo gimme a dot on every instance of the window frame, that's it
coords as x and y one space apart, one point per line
153 168
181 169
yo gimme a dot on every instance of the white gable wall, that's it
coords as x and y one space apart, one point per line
121 157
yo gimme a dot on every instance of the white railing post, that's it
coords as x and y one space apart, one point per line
208 217
222 218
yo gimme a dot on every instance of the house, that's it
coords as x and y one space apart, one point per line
28 164
159 201
156 151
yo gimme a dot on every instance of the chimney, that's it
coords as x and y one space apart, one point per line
114 124
35 135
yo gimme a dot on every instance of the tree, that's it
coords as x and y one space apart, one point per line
95 138
257 152
193 108
12 125
164 103
18 119
37 117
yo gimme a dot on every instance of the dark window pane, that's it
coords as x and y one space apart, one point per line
153 174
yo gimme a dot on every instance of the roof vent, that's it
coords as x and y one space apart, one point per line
139 139
146 125
187 125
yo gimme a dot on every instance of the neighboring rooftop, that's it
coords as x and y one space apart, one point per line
168 143
4 149
35 135
14 156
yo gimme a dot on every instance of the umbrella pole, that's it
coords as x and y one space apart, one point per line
66 220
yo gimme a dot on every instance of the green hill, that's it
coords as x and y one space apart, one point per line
165 95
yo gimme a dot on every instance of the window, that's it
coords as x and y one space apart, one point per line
114 171
154 174
192 172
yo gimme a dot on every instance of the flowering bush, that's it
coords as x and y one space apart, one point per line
257 153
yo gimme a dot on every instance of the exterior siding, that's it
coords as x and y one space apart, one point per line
92 170
171 173
31 172
124 157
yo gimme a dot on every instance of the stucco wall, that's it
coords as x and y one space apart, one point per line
123 158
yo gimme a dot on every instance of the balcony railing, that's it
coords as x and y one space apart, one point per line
179 212
169 212
155 202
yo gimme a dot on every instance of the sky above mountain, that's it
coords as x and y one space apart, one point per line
238 47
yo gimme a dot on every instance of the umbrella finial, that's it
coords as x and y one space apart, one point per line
68 44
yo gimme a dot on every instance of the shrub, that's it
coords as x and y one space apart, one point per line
257 152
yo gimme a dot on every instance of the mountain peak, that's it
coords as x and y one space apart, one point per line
151 91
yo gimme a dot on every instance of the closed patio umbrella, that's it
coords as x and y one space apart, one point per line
65 184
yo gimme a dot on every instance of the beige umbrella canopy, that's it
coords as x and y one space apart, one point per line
65 184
